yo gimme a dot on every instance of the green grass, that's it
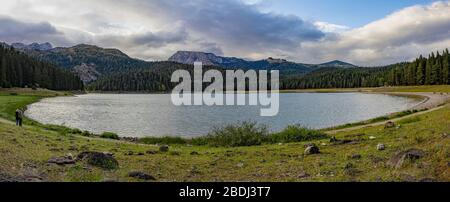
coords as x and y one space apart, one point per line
163 140
235 135
296 133
27 149
409 120
9 104
109 135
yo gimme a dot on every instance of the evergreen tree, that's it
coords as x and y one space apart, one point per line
446 68
20 70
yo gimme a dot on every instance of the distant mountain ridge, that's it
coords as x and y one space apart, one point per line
89 62
285 67
33 46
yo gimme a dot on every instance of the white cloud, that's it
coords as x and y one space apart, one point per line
398 37
331 28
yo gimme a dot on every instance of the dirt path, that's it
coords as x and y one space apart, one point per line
432 102
332 132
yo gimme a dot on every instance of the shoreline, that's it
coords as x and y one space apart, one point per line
429 101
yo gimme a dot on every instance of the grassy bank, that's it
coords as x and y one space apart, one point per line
24 152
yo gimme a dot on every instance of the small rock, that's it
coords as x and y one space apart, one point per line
64 160
389 124
355 156
99 159
240 165
69 156
399 159
350 170
151 152
164 148
372 138
335 141
141 175
381 147
32 178
303 175
312 150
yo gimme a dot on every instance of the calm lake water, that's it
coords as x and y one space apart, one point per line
155 115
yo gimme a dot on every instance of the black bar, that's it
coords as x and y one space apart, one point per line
171 191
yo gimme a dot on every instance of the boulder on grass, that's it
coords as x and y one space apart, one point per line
99 159
398 160
164 148
381 147
141 175
312 150
63 160
389 124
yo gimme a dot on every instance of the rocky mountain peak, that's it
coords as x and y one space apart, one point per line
33 46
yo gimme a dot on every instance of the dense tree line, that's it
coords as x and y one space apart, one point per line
433 70
20 70
157 77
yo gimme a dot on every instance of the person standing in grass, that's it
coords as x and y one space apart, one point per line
19 117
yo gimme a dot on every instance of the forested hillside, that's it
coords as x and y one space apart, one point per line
433 70
155 78
20 70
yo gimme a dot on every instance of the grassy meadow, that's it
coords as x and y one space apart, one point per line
24 152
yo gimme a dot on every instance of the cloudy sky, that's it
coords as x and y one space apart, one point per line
364 32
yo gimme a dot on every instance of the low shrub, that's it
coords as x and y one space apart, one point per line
87 134
162 140
296 133
235 135
59 129
199 141
379 119
109 135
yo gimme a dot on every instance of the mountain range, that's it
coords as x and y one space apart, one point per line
285 67
88 61
91 62
34 46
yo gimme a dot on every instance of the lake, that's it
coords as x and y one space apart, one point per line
138 115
